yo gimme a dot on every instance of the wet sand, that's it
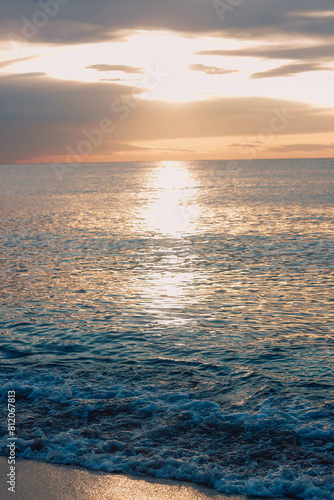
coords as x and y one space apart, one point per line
42 481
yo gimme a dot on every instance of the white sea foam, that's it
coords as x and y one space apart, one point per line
168 434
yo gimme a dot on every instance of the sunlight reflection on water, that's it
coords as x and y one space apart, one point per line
173 210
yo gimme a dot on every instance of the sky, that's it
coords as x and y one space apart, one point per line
152 80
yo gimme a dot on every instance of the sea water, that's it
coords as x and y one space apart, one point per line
172 319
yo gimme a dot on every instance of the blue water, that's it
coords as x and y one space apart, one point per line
173 320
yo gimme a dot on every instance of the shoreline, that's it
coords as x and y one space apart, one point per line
44 481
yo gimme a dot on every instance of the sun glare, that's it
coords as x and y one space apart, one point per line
173 211
169 67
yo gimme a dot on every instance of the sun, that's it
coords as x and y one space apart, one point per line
165 73
178 86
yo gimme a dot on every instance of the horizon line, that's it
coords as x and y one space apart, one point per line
160 161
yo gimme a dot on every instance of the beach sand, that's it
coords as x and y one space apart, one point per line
42 481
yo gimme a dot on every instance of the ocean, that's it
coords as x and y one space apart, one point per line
172 319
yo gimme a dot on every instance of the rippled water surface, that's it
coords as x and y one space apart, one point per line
173 319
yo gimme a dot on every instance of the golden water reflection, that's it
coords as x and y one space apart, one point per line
173 210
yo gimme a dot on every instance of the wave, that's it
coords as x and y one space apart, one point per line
281 447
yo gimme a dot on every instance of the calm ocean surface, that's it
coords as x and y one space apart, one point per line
174 320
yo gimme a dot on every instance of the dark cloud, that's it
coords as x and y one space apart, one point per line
315 52
312 58
210 70
290 70
41 100
95 20
42 116
115 67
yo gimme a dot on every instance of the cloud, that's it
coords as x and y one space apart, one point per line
25 75
315 14
117 147
287 148
5 64
112 80
46 100
117 79
210 70
315 52
96 20
115 67
42 116
290 70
